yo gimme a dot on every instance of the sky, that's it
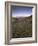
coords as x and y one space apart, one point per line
20 11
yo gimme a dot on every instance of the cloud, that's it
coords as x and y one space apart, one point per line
21 15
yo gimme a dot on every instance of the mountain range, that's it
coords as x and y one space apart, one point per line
21 27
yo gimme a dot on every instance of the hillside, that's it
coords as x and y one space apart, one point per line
22 27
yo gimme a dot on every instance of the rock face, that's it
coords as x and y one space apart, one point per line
22 27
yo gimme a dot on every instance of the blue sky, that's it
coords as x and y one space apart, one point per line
20 11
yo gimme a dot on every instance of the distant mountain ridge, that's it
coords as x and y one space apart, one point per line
23 18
